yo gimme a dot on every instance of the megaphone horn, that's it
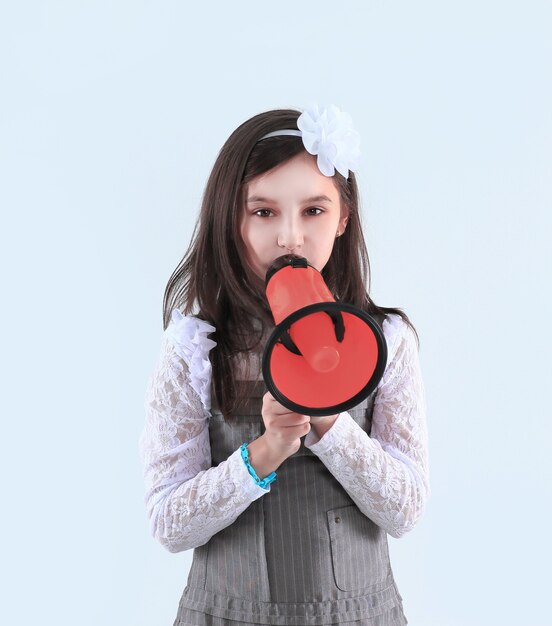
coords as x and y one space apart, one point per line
323 357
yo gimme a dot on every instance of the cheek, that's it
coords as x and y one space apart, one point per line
253 244
248 236
256 237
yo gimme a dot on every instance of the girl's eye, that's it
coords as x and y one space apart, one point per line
311 208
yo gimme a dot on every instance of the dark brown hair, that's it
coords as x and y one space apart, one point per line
214 272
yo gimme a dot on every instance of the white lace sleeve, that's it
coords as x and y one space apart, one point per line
387 473
187 500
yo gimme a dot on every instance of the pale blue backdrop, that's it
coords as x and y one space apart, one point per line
111 116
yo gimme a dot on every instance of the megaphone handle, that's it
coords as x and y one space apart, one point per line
337 319
339 326
288 343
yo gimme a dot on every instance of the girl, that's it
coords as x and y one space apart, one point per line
287 515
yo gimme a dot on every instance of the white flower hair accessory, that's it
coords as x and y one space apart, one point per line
328 132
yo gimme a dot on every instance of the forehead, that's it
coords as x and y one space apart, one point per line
295 180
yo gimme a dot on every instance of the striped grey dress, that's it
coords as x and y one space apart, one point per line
303 554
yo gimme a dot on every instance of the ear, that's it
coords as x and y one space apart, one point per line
343 219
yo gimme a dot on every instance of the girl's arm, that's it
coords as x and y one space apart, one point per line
386 474
187 500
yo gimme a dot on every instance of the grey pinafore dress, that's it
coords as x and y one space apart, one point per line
302 554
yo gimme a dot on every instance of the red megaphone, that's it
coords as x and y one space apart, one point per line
323 357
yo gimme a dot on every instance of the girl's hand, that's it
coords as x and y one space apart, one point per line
284 428
323 419
323 423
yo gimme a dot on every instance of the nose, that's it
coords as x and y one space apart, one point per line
291 239
290 247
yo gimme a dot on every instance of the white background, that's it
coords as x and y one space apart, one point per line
111 116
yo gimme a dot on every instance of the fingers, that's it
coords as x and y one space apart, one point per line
280 411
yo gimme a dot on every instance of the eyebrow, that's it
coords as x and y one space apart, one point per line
312 199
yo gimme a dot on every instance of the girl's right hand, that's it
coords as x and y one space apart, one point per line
284 428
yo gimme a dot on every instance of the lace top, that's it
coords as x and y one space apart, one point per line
386 473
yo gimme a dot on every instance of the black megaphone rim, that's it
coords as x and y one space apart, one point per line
284 326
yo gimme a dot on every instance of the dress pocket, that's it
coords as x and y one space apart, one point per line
360 557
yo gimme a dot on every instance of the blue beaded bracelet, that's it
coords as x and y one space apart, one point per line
265 481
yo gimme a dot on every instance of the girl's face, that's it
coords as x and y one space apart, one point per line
284 213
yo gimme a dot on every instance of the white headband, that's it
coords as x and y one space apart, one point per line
329 133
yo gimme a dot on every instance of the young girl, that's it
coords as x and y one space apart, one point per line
287 515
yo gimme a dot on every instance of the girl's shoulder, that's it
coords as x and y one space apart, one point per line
394 329
188 335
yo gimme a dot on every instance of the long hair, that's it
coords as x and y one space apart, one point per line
214 272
